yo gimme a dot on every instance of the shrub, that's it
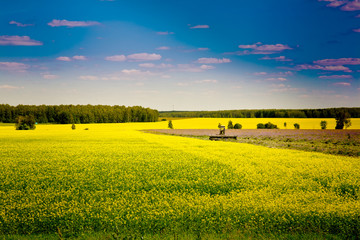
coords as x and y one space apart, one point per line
237 126
269 125
323 124
170 125
285 124
342 119
230 125
73 127
25 123
296 126
260 126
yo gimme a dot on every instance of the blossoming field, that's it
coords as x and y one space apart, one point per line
114 178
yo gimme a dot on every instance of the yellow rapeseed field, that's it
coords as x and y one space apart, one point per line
250 123
114 178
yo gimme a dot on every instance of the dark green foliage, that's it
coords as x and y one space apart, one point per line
25 123
163 120
296 126
170 125
342 119
237 126
73 127
265 113
285 124
268 125
323 124
67 114
230 125
219 125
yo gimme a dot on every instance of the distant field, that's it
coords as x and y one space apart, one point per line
114 180
250 123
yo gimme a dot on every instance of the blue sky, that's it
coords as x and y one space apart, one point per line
182 55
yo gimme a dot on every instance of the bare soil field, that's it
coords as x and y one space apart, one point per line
339 142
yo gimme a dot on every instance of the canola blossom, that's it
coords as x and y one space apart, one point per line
114 177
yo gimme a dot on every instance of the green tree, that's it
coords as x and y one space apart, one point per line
73 127
230 125
25 123
285 124
260 126
237 126
170 125
323 124
342 119
296 126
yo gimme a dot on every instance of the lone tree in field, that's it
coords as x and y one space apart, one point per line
342 119
25 123
230 125
73 127
170 125
296 126
237 126
323 124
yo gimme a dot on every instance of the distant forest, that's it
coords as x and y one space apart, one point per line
265 113
65 114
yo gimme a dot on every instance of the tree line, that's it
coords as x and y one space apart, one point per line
65 114
265 113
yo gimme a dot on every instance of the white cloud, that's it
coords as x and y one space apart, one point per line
163 48
79 57
152 65
49 76
66 23
65 59
213 60
206 67
9 87
200 27
89 77
13 66
20 24
144 57
165 33
19 41
116 58
207 81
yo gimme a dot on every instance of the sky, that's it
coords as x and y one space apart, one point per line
181 55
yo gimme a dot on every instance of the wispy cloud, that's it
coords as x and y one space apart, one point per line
89 77
135 57
49 76
20 24
203 49
259 48
163 48
207 81
281 79
13 66
200 27
65 59
9 87
213 60
165 33
206 67
68 59
66 23
344 84
116 58
339 61
280 58
82 58
144 57
152 65
19 41
346 5
318 67
336 77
